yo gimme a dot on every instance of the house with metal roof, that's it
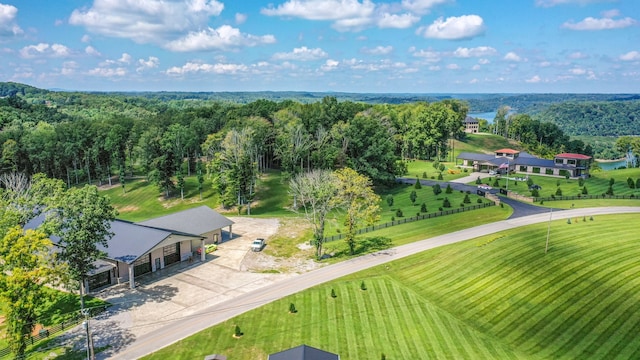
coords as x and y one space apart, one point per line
506 161
471 125
303 352
140 248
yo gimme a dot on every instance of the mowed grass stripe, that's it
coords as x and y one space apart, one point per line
578 279
567 316
591 336
395 326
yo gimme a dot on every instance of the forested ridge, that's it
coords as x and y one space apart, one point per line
98 137
610 118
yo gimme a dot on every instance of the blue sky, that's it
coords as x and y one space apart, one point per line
410 46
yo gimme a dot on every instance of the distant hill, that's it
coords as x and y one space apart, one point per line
610 118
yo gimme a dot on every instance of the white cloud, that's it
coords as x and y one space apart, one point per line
550 3
69 67
149 21
223 38
8 25
630 56
330 65
85 38
511 56
125 58
429 55
322 9
476 67
434 68
108 72
378 50
578 55
453 67
352 24
607 22
474 52
396 21
219 68
483 61
474 81
44 50
421 6
90 50
454 28
578 71
150 63
301 54
240 18
534 79
545 64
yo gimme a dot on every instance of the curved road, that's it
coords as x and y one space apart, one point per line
208 317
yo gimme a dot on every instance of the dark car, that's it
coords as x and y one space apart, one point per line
535 187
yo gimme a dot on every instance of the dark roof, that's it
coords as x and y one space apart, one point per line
129 241
475 156
469 119
198 220
303 352
534 161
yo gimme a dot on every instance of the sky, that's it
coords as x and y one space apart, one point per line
362 46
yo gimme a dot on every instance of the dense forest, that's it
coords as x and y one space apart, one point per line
611 118
97 137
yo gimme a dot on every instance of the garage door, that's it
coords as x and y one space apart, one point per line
171 254
142 265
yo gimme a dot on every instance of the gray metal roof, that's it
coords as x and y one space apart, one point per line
476 156
303 352
198 220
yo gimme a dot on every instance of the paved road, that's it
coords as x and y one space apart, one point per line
520 208
216 314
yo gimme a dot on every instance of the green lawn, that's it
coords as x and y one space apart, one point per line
497 297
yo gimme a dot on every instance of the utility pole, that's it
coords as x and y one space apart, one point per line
546 247
85 325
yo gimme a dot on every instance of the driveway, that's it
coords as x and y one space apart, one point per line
181 291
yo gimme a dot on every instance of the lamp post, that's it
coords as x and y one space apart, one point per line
85 325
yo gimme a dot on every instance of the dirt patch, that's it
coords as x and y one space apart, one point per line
286 249
128 208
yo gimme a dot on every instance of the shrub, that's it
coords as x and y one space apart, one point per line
424 175
393 218
446 203
423 208
496 183
236 332
569 221
557 182
417 214
631 183
580 182
418 185
591 218
436 189
529 181
399 213
440 177
479 201
333 294
363 286
467 200
559 192
638 183
448 190
612 181
535 193
413 196
292 308
584 190
465 170
390 200
478 181
610 189
440 209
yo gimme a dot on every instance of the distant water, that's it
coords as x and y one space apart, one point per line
612 165
489 116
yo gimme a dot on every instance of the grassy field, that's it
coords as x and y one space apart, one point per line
597 184
496 297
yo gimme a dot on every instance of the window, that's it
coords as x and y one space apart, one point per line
523 168
536 170
548 171
559 161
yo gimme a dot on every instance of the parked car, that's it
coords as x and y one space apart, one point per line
535 187
257 244
492 172
484 187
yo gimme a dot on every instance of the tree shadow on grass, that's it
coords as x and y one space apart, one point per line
366 245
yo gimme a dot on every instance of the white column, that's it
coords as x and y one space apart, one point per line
230 232
203 253
132 280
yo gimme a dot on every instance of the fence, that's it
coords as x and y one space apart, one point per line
411 219
585 197
65 325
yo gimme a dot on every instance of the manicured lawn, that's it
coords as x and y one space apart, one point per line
417 168
496 297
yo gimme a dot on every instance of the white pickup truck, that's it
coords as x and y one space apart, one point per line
257 244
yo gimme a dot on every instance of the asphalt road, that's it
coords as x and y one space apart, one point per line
208 317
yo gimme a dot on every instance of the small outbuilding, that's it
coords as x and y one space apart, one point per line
303 352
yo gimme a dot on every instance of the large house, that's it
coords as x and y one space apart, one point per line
471 125
509 161
140 248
